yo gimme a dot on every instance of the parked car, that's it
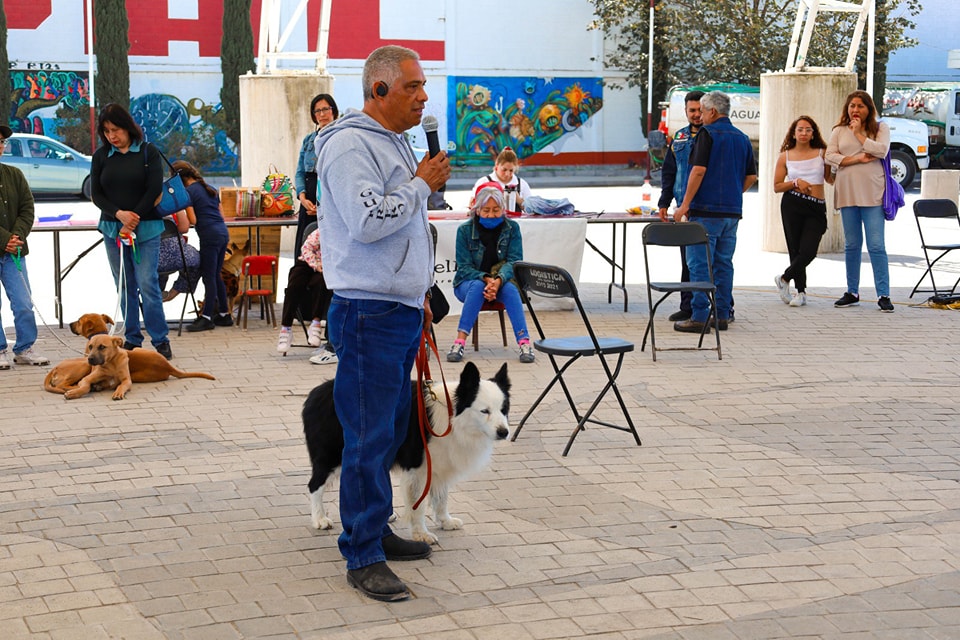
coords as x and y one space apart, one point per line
50 166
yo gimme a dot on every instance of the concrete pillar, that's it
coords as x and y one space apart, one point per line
274 118
783 97
940 183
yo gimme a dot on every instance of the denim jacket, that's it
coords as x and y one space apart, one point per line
470 251
731 160
676 167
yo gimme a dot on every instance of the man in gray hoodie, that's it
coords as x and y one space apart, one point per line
378 259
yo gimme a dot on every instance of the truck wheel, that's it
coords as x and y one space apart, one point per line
902 167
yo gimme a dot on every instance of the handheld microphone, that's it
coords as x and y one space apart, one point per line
430 126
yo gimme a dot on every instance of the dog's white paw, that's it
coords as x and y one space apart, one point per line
393 517
322 523
450 524
422 535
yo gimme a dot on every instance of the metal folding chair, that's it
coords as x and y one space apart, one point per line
554 282
946 211
678 234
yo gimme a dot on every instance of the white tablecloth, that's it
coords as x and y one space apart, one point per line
555 241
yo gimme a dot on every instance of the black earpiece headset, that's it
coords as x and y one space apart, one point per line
381 89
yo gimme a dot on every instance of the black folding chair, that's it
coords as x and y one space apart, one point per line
678 234
935 209
554 282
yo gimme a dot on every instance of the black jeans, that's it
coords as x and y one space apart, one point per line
804 222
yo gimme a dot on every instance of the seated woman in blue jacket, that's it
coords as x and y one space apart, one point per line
487 246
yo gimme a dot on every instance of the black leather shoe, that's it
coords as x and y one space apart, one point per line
677 316
398 549
377 581
225 320
129 346
202 323
690 326
722 324
164 349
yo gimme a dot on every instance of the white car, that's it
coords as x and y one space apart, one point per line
50 166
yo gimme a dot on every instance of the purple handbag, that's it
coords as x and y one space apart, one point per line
892 191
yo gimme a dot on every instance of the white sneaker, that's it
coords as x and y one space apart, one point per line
783 288
4 362
314 335
324 357
526 353
30 357
799 299
284 341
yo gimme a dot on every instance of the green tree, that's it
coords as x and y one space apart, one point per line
737 41
236 59
627 27
111 45
5 67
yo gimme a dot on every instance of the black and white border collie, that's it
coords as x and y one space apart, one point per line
480 418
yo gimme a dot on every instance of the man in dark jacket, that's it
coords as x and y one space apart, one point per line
723 167
16 220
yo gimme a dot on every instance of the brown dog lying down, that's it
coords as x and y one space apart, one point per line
143 365
109 368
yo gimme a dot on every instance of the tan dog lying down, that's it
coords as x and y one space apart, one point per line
109 368
142 365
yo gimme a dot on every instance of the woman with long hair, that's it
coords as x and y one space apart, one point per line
857 144
799 175
126 177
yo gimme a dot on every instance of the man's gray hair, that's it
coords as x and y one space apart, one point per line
487 193
383 65
716 100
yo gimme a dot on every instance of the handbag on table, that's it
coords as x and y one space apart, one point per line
278 194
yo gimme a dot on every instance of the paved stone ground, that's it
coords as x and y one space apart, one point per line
803 487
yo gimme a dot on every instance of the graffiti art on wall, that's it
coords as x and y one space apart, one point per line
527 114
190 131
37 94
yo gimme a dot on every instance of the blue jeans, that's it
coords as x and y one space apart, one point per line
470 293
856 221
18 293
140 283
376 342
722 242
211 262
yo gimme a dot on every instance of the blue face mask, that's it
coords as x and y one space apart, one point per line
490 223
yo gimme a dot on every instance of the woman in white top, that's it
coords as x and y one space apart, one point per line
857 144
515 188
799 176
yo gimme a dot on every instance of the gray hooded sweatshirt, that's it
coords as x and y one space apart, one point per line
374 233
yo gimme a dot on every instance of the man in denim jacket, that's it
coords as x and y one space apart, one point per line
673 183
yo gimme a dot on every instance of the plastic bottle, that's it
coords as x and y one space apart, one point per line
646 193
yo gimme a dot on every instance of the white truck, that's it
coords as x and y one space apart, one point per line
909 139
938 106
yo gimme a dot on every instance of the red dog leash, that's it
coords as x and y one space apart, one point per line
423 376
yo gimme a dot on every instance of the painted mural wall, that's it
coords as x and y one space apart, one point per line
541 94
528 114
